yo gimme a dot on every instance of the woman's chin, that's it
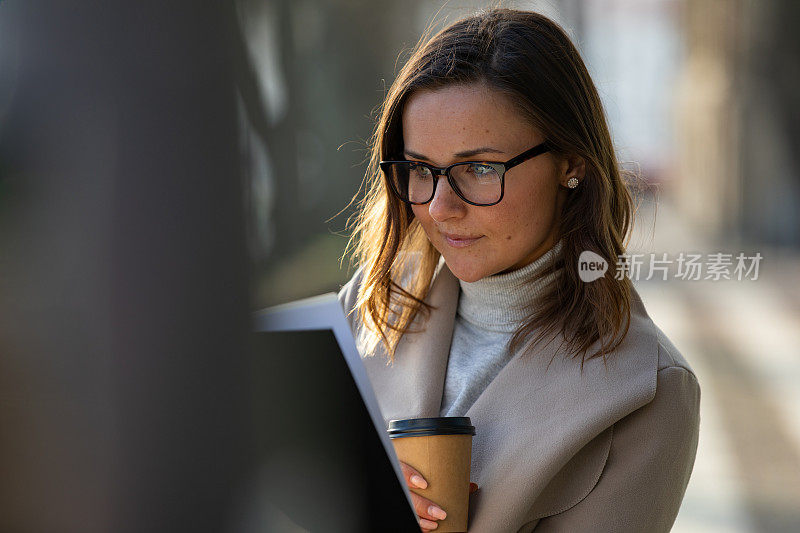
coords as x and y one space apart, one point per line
466 272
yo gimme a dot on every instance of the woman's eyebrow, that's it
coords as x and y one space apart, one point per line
459 155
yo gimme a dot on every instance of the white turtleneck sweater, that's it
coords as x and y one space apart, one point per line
489 312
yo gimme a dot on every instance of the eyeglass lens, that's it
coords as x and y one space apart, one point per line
477 182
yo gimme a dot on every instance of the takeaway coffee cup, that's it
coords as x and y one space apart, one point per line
441 450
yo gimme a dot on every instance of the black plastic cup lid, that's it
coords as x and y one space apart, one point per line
420 427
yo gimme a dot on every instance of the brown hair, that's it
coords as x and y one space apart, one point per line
531 59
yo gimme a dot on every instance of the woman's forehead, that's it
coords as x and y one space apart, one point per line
458 100
452 119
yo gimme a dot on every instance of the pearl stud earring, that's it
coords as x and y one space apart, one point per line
572 183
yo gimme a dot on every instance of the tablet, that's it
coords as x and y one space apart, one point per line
328 461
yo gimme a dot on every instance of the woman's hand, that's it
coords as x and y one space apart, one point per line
427 511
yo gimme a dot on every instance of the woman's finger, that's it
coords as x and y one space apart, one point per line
427 525
413 477
427 509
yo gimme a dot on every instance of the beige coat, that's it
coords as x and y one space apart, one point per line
609 451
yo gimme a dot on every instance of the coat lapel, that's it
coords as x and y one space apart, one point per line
531 419
412 387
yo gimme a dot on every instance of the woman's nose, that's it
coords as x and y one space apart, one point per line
446 203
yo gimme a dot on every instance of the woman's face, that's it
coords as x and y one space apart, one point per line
481 241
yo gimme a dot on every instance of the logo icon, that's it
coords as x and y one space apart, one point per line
591 266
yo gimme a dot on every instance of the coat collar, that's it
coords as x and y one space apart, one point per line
413 385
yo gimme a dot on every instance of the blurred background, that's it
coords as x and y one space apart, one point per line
167 167
701 97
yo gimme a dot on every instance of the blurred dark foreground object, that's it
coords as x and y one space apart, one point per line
123 269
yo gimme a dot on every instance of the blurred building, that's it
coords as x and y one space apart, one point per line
739 120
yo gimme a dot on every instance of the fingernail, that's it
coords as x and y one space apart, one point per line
428 524
418 481
437 513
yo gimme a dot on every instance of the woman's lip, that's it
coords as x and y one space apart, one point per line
459 241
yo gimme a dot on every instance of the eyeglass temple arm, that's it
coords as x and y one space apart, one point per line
524 156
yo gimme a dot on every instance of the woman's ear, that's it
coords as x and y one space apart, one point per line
572 166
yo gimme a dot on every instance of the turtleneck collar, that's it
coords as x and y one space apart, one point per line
502 301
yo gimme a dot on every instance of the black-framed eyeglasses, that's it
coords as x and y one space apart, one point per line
478 183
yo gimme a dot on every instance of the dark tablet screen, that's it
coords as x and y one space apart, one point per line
324 463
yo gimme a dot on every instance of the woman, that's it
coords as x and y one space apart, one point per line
492 171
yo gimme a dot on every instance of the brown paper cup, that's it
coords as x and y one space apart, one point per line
441 450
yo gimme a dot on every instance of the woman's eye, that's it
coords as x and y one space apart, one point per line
421 170
480 170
